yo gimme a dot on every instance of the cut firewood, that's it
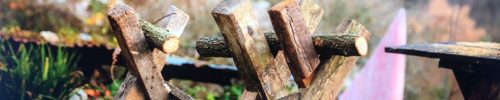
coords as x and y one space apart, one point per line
160 38
293 33
325 44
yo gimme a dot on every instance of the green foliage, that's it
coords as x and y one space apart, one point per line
232 92
35 73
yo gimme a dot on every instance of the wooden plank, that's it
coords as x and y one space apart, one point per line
131 88
292 30
130 37
324 44
249 47
329 78
312 13
331 73
174 21
468 53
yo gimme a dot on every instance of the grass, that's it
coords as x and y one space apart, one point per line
33 72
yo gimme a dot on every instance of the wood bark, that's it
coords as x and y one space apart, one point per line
127 30
324 44
160 38
293 33
331 73
251 52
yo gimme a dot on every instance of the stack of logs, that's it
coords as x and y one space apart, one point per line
318 62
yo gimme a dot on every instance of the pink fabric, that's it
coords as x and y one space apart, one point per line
382 78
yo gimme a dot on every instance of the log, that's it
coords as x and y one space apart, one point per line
135 50
253 57
160 38
324 44
293 33
331 73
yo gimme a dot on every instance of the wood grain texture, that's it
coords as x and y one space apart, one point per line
292 31
331 73
324 44
312 13
174 21
131 88
248 45
126 27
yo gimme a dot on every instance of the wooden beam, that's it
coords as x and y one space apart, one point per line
174 21
290 25
331 73
128 32
312 13
249 47
131 88
324 44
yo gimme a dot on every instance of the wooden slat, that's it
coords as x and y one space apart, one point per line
249 47
312 13
331 73
329 78
130 37
324 44
174 21
292 30
131 88
462 52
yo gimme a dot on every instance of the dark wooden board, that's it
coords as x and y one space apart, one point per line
477 53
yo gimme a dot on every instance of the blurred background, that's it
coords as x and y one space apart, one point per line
38 36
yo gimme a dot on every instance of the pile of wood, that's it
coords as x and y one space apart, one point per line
319 63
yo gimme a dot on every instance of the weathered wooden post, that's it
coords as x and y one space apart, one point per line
143 62
294 21
349 42
256 64
332 71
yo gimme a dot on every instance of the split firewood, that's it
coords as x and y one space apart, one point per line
264 75
325 44
289 22
331 73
